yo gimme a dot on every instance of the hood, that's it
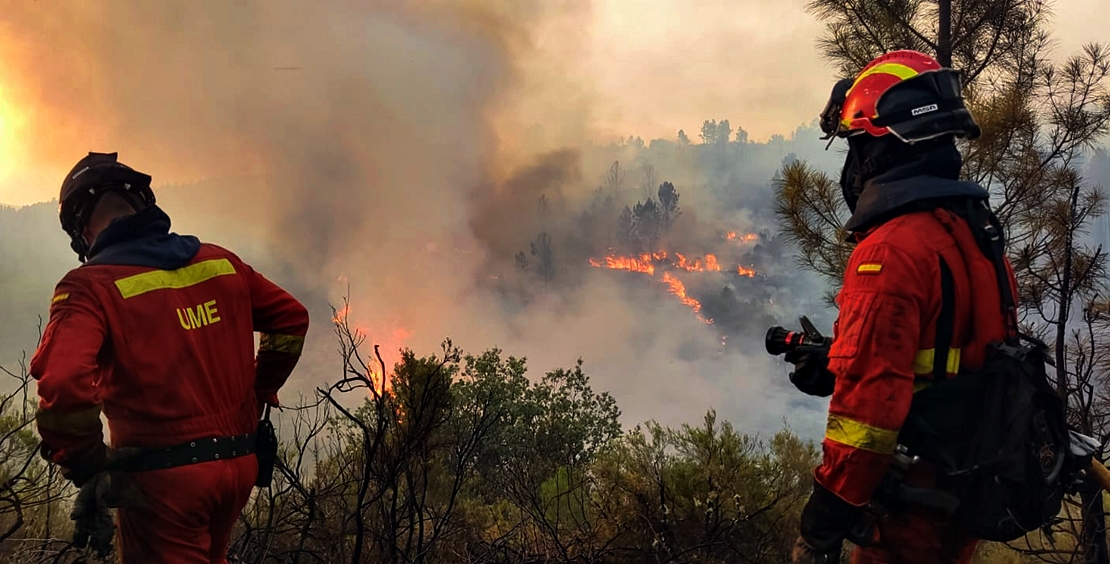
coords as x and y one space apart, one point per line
916 179
884 201
143 239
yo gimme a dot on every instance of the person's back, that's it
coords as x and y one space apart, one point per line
157 329
181 365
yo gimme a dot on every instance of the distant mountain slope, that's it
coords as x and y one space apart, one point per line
34 254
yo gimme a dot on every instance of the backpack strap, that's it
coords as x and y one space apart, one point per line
946 322
988 237
988 233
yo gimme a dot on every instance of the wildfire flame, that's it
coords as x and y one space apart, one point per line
646 264
745 238
643 263
696 264
677 288
341 314
389 341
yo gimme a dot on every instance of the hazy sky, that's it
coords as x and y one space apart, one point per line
753 62
624 67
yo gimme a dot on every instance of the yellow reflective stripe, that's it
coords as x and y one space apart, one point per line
291 344
860 435
869 267
173 279
60 297
901 71
923 362
71 422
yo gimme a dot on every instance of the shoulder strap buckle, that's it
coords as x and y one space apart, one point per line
992 234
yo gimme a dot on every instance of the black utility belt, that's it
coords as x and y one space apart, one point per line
192 452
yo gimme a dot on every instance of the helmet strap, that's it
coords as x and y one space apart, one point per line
83 213
81 216
851 179
867 158
79 246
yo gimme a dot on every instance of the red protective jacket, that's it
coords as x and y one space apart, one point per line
166 352
884 338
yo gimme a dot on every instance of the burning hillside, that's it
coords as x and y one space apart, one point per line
745 238
342 167
666 262
676 287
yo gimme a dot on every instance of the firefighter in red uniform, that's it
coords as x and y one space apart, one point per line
894 333
156 331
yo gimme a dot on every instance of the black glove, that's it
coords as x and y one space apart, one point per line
98 494
811 371
92 520
828 520
805 554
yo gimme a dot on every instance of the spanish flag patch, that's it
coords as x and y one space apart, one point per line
869 268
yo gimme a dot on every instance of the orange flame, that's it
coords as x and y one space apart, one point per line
711 263
642 263
746 238
677 288
647 262
341 314
387 345
696 264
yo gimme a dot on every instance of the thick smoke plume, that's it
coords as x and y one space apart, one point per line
382 146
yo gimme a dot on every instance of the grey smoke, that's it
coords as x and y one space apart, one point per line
379 163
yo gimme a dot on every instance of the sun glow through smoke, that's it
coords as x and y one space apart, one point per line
12 122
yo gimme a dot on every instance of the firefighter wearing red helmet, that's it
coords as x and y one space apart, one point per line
155 331
918 303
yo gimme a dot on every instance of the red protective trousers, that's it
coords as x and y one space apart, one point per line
191 512
917 537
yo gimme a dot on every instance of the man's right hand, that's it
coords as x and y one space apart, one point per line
109 488
805 554
811 371
92 520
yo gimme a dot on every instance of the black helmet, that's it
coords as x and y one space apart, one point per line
88 180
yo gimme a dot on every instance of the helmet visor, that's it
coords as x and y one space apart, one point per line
926 106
